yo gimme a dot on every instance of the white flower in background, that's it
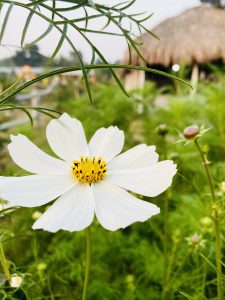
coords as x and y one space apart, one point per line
89 178
16 281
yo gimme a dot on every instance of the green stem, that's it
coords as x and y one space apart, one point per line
205 164
173 255
165 246
177 272
218 256
166 230
88 263
205 266
4 263
216 223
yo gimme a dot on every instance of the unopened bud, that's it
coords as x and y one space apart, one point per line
173 156
206 221
41 267
191 131
205 149
195 239
176 235
130 282
129 278
206 225
162 129
36 215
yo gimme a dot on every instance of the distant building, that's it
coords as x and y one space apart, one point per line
195 37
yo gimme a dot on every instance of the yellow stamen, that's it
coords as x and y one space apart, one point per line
89 169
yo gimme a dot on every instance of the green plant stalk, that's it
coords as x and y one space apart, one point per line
216 223
4 263
218 255
176 272
165 244
205 266
169 269
165 248
172 258
88 263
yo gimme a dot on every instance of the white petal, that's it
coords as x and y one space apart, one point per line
137 157
29 157
35 190
67 138
106 143
73 211
115 208
150 181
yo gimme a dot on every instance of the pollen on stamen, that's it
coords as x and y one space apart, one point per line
89 169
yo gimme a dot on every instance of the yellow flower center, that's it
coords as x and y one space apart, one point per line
89 169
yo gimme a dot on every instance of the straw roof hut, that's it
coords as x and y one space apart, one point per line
197 36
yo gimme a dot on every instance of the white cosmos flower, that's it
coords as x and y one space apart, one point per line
16 281
89 179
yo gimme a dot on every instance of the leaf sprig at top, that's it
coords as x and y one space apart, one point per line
55 14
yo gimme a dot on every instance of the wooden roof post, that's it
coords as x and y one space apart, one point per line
134 80
194 79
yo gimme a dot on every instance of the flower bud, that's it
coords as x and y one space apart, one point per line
191 131
173 156
129 279
130 282
36 215
206 221
176 235
41 267
162 129
195 241
205 149
206 225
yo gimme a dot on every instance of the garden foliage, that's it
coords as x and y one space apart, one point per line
129 264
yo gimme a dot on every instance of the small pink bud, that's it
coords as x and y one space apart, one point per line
195 239
191 131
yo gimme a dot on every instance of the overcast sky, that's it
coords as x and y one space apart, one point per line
112 47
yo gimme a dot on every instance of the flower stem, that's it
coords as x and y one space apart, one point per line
88 263
205 164
218 256
216 223
165 248
165 234
4 263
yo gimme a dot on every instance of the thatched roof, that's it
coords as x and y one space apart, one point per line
195 36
